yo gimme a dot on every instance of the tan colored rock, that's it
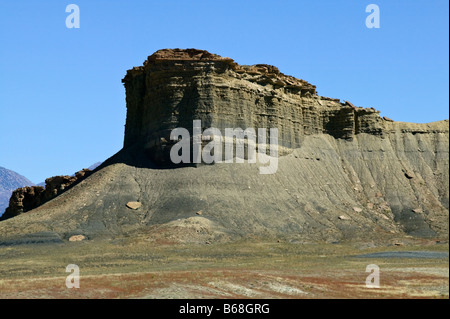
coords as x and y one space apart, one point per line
357 209
134 205
343 217
418 210
77 238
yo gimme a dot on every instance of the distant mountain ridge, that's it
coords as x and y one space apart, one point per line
9 181
94 166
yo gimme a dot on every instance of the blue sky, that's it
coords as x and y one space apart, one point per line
62 103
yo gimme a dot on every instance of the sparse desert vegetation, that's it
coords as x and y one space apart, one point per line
137 268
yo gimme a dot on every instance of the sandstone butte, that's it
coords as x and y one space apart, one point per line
344 172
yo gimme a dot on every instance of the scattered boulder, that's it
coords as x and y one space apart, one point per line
418 210
357 209
343 217
134 205
77 238
387 119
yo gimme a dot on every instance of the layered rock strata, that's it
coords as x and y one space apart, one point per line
175 87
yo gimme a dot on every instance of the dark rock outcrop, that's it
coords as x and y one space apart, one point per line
9 181
25 199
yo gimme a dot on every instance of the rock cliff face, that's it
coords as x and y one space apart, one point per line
344 172
175 87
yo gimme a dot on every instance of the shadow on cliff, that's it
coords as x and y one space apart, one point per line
136 156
